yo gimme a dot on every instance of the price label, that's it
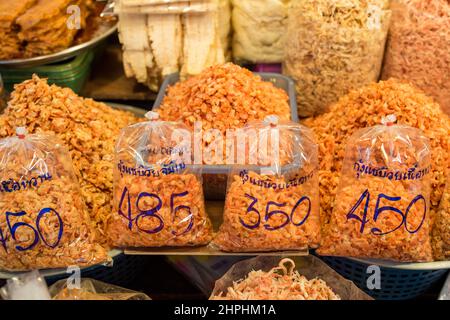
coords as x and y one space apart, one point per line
16 229
297 216
385 207
136 217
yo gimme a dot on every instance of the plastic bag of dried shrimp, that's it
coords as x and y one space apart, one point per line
417 49
90 289
43 219
269 278
272 200
158 195
441 229
333 46
382 203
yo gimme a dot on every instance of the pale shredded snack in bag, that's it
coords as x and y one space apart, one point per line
91 289
333 46
418 46
43 219
158 199
280 283
88 128
366 107
382 207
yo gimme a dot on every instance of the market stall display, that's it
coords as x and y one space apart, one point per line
417 47
259 30
158 197
284 186
268 278
88 128
44 222
163 38
333 47
366 107
90 289
382 203
39 27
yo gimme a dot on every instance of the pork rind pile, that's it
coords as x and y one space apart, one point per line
223 97
88 128
366 107
91 289
43 219
280 283
382 205
417 46
158 200
333 46
277 207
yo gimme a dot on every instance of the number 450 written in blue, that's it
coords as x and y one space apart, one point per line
385 210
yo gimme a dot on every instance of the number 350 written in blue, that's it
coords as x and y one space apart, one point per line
272 213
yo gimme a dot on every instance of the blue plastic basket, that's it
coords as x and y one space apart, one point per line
396 284
122 273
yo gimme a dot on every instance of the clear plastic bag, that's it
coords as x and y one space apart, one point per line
417 49
25 286
43 218
158 195
441 229
273 202
91 289
321 283
382 207
259 30
333 46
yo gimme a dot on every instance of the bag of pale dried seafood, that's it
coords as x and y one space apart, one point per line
272 200
382 206
269 278
43 218
333 46
158 195
90 289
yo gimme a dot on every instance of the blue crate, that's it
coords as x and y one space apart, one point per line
396 284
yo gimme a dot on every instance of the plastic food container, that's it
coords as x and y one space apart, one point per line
215 176
71 73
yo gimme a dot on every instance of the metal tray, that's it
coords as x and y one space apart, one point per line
57 272
104 31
